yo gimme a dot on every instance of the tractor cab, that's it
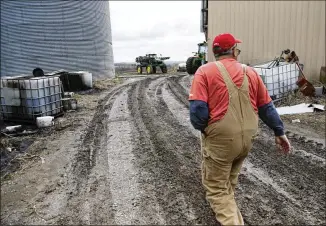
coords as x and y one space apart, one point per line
202 48
152 55
199 58
202 51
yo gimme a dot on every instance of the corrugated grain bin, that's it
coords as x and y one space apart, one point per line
74 35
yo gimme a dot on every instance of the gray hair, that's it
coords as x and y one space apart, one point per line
228 52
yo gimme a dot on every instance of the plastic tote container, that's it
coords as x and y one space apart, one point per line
279 80
74 80
45 121
87 78
26 98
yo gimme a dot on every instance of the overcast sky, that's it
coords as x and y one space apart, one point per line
170 28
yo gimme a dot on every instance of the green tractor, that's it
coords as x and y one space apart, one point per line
194 62
150 62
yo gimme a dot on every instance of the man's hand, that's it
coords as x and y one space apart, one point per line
283 144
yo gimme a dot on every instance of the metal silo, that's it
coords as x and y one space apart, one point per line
71 35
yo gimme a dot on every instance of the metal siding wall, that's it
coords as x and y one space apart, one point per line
53 35
268 27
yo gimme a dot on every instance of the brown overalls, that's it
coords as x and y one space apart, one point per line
224 147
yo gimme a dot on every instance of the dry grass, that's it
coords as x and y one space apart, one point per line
298 98
314 121
4 143
104 84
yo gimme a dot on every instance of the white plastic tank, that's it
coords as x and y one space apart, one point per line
86 77
33 97
279 80
182 65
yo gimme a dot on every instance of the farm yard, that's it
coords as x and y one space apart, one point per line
129 155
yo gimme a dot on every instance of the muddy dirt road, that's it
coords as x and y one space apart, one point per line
136 160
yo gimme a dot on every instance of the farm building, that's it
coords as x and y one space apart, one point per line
268 27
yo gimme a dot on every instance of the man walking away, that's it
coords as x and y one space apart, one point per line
226 100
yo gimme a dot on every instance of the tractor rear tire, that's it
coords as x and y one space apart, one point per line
139 70
149 69
164 69
191 69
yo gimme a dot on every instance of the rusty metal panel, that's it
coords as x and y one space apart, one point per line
268 27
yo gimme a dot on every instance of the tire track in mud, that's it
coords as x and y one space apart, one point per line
178 109
89 197
299 194
186 81
293 190
178 91
143 147
315 148
273 189
121 172
168 154
85 158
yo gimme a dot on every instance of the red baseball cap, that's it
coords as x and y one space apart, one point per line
225 41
